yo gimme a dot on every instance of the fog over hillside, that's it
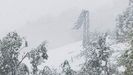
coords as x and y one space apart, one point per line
53 20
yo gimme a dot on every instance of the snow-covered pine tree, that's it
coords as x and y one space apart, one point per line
125 33
124 25
97 57
104 54
126 60
66 69
46 71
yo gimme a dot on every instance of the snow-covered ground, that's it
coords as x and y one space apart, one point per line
70 52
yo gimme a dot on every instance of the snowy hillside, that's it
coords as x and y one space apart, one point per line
71 52
57 56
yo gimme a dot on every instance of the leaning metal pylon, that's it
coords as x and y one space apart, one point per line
83 20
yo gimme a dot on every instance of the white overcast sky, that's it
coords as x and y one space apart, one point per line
52 20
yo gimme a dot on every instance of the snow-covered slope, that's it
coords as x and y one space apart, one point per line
71 52
57 56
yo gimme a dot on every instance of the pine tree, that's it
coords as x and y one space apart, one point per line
104 54
125 34
124 26
66 68
46 71
126 60
97 56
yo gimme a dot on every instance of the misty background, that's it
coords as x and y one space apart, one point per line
53 20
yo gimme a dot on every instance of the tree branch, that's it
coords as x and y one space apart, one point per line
22 59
